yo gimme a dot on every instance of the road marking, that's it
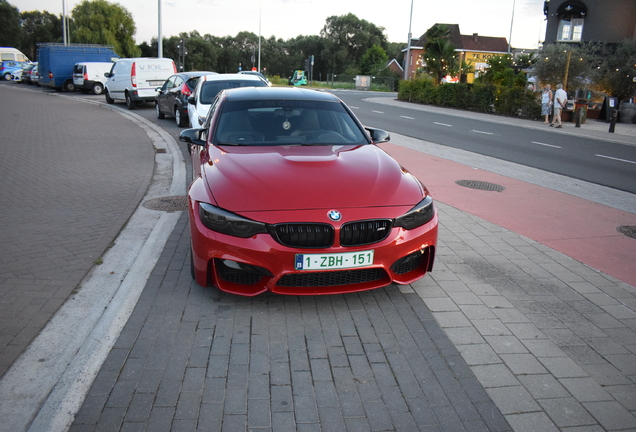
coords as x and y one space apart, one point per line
354 107
482 132
379 112
442 124
616 159
406 117
547 145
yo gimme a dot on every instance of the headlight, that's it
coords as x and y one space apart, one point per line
225 222
422 213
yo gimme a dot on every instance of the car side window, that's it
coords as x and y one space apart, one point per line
178 81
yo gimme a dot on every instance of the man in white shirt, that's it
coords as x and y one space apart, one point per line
560 100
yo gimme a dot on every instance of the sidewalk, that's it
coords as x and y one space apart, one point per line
502 319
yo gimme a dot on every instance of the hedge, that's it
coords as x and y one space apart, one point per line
486 98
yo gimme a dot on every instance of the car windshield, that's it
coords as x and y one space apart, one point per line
210 89
287 122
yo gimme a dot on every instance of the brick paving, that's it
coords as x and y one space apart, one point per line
68 184
197 359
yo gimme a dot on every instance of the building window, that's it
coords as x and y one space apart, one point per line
570 29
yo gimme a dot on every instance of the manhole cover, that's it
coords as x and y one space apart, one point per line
167 204
481 185
627 230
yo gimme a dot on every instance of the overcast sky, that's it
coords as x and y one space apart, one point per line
286 19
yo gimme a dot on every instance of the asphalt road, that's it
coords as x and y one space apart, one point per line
603 162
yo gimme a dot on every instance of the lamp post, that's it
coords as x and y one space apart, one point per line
511 22
260 14
160 37
408 47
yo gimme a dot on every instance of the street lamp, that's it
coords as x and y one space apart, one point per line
408 46
160 37
260 14
511 21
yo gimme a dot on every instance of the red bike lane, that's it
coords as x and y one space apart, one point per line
578 228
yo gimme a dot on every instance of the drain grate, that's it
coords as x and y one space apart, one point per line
627 230
480 185
167 204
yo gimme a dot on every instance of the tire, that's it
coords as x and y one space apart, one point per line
7 77
98 88
109 100
129 102
194 277
69 86
178 118
160 115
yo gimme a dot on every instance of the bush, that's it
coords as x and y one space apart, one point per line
480 97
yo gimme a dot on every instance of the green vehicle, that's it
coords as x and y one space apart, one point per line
298 78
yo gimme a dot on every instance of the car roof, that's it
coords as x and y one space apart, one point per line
195 74
230 77
287 93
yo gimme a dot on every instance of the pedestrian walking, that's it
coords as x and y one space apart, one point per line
560 100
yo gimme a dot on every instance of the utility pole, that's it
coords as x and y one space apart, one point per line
567 70
160 37
407 59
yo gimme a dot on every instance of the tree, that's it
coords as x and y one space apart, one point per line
615 74
9 25
347 38
373 61
501 73
39 27
552 64
439 53
440 58
100 22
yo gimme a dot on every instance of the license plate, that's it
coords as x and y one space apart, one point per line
333 261
155 83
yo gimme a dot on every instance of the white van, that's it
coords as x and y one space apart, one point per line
7 53
135 79
90 76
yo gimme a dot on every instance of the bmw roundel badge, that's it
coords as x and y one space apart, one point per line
334 215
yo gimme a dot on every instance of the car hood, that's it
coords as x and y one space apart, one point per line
307 177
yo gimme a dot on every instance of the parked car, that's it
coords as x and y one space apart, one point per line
172 96
258 74
135 80
9 53
209 86
11 70
291 195
90 76
26 73
35 75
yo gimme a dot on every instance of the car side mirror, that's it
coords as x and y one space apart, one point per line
378 135
192 100
192 136
108 74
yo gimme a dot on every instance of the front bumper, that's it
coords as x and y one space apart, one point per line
258 264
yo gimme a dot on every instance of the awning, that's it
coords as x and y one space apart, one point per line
573 8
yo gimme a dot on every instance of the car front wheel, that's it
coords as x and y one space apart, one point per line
7 76
109 100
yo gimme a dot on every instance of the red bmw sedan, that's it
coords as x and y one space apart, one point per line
291 195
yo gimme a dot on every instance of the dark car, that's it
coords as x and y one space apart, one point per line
292 195
172 97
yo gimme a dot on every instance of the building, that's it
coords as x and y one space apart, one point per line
473 49
576 21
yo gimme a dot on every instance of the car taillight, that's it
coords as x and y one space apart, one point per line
185 90
133 75
50 75
85 76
